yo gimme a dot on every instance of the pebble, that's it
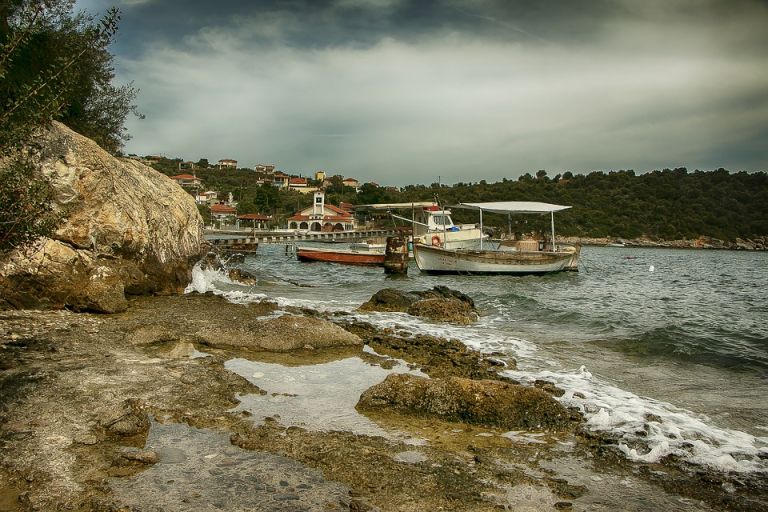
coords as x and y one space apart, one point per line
86 439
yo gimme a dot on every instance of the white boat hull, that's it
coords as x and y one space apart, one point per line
436 260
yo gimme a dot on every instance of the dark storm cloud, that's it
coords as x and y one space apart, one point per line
322 23
402 91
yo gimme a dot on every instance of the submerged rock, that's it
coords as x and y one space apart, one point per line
440 303
128 229
484 402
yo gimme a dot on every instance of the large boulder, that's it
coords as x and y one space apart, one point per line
483 402
128 229
439 303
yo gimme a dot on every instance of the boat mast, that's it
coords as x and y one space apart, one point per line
552 217
481 229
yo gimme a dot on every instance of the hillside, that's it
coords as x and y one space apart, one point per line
667 204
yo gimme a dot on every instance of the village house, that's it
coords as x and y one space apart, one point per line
208 197
255 220
187 180
187 166
297 183
265 168
322 217
351 182
227 163
223 212
300 185
280 180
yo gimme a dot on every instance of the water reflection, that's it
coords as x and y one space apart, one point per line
317 397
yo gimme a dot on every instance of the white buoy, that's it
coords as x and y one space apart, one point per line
584 372
651 268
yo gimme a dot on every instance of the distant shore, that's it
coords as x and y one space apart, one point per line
703 242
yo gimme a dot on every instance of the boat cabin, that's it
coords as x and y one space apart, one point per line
432 219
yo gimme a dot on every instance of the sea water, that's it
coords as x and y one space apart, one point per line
672 344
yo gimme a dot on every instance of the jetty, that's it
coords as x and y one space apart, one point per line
245 241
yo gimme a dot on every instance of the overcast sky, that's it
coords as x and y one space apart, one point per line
399 91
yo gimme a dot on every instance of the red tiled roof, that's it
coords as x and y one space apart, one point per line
222 208
253 216
297 181
338 210
327 218
184 177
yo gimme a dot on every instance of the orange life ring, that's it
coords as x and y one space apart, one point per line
436 241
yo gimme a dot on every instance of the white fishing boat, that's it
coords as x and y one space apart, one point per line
501 256
433 225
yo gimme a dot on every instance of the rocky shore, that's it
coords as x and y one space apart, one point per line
703 242
140 410
117 394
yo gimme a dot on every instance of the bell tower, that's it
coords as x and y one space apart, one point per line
318 207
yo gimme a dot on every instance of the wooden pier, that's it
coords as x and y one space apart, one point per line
245 241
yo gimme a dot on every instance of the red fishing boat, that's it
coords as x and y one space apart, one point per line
345 256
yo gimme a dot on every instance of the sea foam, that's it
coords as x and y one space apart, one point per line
648 430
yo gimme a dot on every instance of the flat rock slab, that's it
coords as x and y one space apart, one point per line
281 334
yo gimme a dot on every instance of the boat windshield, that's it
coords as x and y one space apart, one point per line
442 220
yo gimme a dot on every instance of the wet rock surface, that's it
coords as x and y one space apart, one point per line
199 469
285 333
483 402
438 304
437 357
77 392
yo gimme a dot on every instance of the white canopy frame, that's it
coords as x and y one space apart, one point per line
510 207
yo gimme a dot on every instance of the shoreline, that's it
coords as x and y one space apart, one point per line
758 244
85 397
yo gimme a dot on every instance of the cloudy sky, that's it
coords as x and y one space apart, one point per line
406 91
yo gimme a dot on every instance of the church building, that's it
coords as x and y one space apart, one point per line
322 217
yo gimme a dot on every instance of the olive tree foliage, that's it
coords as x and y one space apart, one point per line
26 212
54 65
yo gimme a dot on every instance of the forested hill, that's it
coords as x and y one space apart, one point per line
668 204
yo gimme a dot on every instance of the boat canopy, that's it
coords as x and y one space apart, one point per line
513 207
394 206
